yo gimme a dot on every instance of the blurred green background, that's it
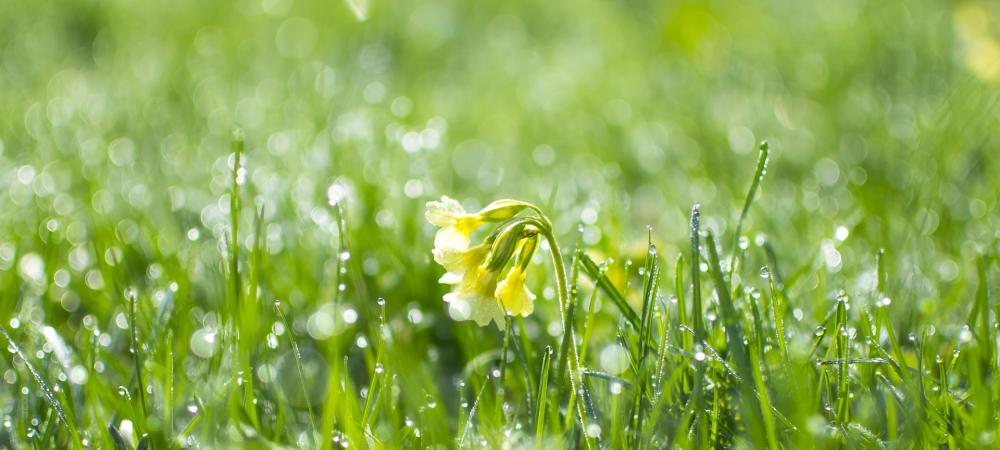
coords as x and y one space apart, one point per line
882 117
116 117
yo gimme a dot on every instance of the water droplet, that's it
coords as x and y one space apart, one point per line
350 315
965 335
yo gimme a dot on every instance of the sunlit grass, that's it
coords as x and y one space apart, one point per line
167 283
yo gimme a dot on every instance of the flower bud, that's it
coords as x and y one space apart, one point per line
501 210
504 246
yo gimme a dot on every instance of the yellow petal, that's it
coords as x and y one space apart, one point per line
444 212
514 295
466 224
460 261
449 238
473 299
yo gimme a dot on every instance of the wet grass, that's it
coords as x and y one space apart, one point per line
168 283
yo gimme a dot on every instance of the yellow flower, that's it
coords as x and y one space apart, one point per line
456 225
514 296
473 298
458 261
474 271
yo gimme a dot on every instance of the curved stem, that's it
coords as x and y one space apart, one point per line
564 299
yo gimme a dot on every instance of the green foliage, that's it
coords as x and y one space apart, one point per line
166 282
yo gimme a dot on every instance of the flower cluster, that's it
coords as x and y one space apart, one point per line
488 278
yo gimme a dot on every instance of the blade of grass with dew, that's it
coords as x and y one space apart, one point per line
46 390
542 395
758 176
758 419
640 404
594 272
250 318
298 367
377 370
132 298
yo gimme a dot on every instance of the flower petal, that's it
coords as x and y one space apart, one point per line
514 295
450 239
443 213
460 261
450 278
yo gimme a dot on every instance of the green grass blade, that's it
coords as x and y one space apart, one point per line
594 272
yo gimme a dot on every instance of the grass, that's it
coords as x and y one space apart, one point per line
168 283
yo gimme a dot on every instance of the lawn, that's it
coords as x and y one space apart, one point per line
499 224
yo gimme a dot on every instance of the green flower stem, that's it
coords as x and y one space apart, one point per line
564 304
502 391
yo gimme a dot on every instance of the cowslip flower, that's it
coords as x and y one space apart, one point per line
512 293
455 224
475 272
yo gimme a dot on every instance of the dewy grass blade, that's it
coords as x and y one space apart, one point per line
758 176
594 272
234 218
735 335
298 368
543 389
46 390
696 308
131 297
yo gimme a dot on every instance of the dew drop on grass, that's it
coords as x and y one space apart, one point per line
965 335
203 343
415 316
121 321
841 233
379 369
614 359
